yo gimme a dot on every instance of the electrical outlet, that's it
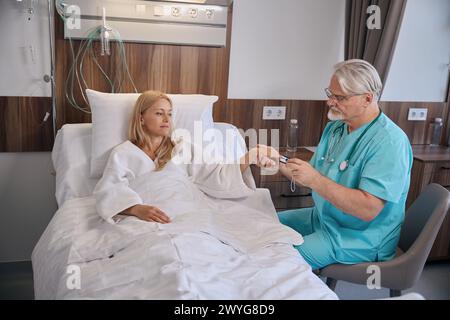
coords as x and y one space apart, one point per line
417 114
140 9
158 11
193 12
210 13
274 113
176 11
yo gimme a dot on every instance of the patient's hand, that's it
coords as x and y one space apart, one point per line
148 213
264 156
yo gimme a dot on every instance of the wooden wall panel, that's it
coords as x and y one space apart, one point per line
21 124
173 69
418 132
246 114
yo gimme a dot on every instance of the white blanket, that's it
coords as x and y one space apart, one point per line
133 260
232 248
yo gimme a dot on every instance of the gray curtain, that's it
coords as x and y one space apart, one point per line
374 46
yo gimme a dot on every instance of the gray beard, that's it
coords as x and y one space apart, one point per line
334 116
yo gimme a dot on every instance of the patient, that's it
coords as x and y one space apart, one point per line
127 188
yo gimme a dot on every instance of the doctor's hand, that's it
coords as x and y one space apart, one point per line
302 172
148 213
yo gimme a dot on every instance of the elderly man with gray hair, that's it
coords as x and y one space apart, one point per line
359 175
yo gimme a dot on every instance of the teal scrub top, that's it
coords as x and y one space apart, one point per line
380 165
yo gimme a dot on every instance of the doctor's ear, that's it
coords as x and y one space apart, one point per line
368 98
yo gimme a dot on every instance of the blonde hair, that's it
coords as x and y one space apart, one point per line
140 138
358 77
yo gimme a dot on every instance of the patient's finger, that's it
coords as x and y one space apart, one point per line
269 163
274 153
157 218
263 161
152 215
268 151
262 150
162 215
165 218
149 218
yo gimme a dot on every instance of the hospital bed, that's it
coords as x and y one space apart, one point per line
191 266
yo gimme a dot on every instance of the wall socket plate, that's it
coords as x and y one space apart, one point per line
274 113
417 114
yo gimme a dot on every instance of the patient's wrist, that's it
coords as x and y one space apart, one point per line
251 156
131 211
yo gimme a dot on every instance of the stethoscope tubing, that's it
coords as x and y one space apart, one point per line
344 164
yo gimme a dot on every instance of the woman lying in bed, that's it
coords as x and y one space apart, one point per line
151 161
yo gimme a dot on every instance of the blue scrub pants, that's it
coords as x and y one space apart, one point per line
316 249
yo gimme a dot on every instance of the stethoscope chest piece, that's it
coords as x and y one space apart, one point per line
343 166
331 160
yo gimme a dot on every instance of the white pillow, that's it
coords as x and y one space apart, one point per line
111 113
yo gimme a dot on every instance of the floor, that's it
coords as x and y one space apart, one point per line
434 284
16 282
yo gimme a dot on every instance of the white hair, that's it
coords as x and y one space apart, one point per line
358 77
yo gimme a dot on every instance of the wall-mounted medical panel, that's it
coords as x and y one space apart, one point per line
150 21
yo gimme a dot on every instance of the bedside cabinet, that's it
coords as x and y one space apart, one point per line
279 186
432 165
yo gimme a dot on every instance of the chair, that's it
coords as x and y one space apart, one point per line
421 226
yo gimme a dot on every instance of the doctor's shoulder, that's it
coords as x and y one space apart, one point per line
392 133
390 140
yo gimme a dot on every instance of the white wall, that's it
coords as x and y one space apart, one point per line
419 70
285 49
27 202
25 49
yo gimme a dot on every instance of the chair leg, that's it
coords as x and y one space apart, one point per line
331 283
395 293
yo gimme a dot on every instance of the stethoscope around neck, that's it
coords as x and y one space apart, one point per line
344 164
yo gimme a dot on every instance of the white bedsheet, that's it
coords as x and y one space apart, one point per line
137 260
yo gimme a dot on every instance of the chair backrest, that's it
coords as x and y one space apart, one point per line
424 219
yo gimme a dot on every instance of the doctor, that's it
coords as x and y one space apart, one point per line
359 175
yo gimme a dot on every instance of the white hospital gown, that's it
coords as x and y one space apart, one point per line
130 178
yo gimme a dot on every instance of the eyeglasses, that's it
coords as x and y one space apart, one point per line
339 98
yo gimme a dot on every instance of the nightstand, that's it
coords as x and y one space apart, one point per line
279 186
432 165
